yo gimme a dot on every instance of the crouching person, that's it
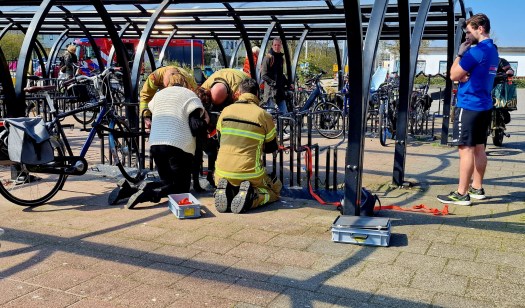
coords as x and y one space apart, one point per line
246 132
178 119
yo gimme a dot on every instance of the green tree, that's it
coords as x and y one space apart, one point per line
11 43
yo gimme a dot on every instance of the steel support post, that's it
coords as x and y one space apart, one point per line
355 145
165 46
296 55
55 49
262 53
139 55
17 107
244 35
404 91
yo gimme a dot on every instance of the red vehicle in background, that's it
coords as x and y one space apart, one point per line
177 50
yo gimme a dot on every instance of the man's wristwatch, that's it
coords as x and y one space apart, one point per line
459 55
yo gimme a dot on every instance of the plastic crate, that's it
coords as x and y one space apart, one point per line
184 210
373 231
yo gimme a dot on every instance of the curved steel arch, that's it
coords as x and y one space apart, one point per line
223 52
244 35
96 49
122 57
112 51
264 43
165 46
235 52
148 49
6 29
296 55
398 176
54 50
138 59
17 107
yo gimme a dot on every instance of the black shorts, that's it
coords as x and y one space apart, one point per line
470 127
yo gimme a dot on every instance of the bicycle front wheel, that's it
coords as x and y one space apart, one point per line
26 188
124 147
328 120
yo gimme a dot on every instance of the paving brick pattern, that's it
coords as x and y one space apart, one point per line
77 251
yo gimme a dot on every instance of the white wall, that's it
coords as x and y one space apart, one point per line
435 55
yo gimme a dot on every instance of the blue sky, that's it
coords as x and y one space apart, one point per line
505 19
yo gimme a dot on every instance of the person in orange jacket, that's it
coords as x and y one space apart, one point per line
255 53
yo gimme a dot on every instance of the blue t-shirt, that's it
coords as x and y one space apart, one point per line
481 61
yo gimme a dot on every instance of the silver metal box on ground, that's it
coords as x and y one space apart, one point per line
374 231
182 211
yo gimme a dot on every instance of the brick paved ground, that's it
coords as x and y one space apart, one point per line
77 251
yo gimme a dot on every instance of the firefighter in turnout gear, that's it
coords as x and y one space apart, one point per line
246 132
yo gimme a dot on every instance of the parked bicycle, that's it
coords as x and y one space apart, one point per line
505 100
386 98
32 185
419 108
327 117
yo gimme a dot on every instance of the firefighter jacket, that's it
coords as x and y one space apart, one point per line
244 129
155 82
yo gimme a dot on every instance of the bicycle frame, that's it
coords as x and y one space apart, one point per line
318 91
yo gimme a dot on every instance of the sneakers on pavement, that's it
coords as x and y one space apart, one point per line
455 198
244 198
478 194
223 196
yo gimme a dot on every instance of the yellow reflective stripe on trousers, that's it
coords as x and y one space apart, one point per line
264 191
241 133
238 175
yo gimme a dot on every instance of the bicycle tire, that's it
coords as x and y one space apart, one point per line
29 188
497 137
90 115
383 125
328 120
125 150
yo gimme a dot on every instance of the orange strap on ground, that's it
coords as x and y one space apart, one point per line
416 208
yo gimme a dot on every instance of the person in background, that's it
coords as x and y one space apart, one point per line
504 71
70 59
245 132
159 79
275 83
475 69
255 53
178 121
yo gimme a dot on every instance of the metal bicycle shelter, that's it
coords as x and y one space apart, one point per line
359 25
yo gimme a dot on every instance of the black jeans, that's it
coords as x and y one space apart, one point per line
174 167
